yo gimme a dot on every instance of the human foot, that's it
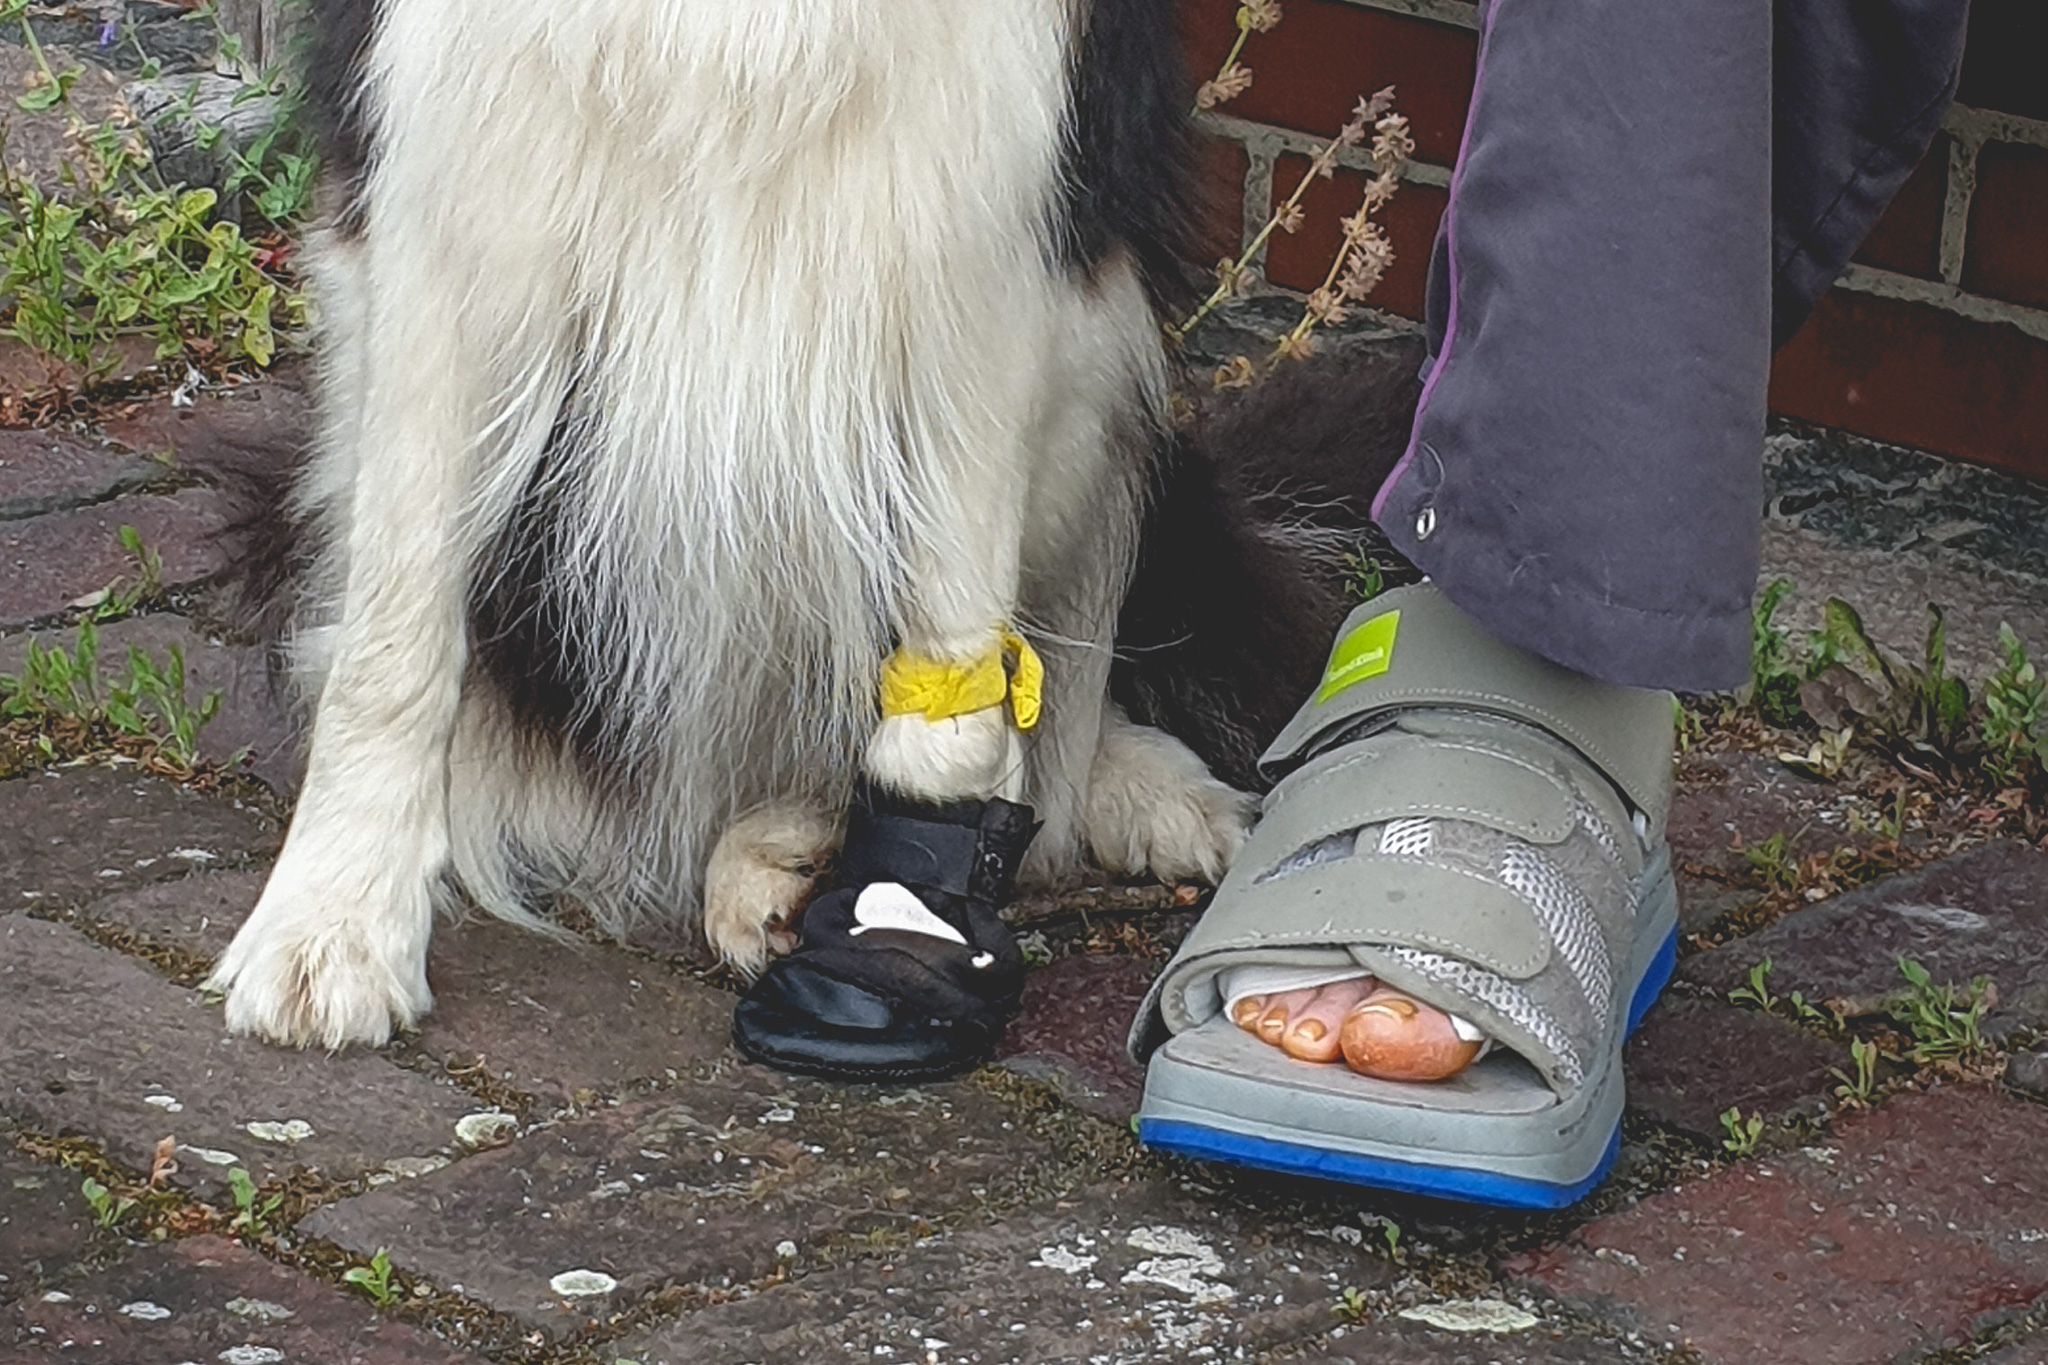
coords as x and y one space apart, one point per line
1375 1030
1460 820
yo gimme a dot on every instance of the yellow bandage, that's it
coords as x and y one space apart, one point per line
914 686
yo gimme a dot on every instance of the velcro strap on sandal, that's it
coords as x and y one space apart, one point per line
1408 776
1310 917
1411 648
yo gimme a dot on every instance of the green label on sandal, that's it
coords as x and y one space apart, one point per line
1364 653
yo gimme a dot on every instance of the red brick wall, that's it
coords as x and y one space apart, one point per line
1938 335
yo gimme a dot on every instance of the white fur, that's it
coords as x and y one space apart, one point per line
1153 807
830 393
759 877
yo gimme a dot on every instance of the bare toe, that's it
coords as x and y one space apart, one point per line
1279 1009
1395 1037
1245 1013
1312 1034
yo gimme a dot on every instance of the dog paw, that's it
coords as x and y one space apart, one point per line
314 969
761 875
1153 807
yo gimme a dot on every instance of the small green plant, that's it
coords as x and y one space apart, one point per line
1920 705
1860 1089
150 700
1364 576
114 253
55 683
1946 1021
374 1279
1353 1307
1775 674
1773 863
252 1214
178 722
2015 704
127 596
1392 1232
1890 822
1687 724
1035 948
1758 991
1825 757
1805 1011
107 1207
1743 1133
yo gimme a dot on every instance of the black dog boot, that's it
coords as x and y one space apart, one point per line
904 971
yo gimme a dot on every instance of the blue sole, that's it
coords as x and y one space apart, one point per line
1440 1182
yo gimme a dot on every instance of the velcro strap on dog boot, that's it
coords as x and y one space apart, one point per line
904 970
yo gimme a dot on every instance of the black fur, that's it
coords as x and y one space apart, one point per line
256 454
1228 623
334 91
521 635
1126 167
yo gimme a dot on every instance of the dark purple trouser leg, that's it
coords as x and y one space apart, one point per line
1585 471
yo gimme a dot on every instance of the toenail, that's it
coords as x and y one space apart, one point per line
1311 1030
1396 1009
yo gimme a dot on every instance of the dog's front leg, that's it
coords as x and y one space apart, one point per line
335 951
962 558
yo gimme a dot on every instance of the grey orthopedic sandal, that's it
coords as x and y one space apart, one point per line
1473 826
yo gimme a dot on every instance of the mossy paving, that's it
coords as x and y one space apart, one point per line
174 963
2011 1331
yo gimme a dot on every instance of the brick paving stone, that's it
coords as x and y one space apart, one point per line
44 1224
197 914
2027 1072
89 1038
1396 1342
1984 912
1134 1273
45 471
699 1187
75 834
1916 1222
1070 1032
231 429
1727 802
49 562
1692 1059
556 1019
253 716
206 1299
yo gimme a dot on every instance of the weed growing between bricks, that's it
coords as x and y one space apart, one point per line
116 254
450 1316
157 1213
65 704
176 964
2010 1332
473 1077
1928 769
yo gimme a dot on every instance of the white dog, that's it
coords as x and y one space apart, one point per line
682 359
